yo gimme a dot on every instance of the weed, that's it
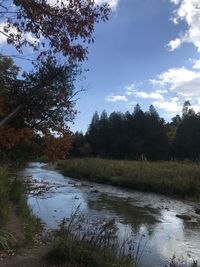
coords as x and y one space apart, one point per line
4 195
82 243
169 178
6 239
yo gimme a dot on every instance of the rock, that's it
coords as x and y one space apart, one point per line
184 217
77 184
197 210
94 191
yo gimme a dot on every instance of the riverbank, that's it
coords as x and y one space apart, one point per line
19 228
21 242
178 179
158 232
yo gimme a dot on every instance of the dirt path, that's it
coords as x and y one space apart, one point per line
22 257
34 257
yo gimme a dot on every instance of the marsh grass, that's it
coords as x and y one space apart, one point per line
179 179
82 243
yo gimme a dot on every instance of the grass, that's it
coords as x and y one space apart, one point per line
181 263
4 195
31 224
82 243
6 239
13 191
179 179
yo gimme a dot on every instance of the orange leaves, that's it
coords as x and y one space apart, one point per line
62 25
57 148
53 147
9 137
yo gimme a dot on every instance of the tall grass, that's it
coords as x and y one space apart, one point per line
83 243
31 224
12 191
169 178
4 195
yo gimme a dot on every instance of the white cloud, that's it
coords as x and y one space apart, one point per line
188 11
169 106
196 64
3 38
162 91
130 89
173 44
145 95
112 3
184 82
116 98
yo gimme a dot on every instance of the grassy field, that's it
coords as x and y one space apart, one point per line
179 179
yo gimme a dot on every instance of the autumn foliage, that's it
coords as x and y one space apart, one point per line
57 148
11 136
51 27
35 110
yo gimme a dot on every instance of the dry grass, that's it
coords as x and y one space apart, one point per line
169 178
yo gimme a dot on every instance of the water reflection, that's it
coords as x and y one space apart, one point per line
150 219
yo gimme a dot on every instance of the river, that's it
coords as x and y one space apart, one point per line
151 218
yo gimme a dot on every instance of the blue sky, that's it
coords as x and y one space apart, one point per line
147 53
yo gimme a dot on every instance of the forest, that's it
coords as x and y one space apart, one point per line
140 136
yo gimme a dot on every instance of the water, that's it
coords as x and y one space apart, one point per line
150 217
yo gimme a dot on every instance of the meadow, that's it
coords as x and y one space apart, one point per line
180 179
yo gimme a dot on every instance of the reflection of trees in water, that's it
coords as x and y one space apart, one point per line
140 219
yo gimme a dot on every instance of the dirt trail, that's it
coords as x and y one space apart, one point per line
22 257
34 257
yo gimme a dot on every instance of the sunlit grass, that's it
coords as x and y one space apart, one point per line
169 178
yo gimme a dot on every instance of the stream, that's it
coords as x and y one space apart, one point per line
151 218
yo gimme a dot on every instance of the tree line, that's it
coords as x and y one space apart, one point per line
140 136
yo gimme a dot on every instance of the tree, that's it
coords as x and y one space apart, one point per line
43 103
187 140
51 27
156 141
92 134
186 110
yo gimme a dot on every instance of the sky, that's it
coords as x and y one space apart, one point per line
148 52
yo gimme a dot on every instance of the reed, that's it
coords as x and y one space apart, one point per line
181 179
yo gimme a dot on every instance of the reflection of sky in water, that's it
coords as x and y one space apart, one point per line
150 219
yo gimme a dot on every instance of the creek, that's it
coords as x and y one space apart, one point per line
150 218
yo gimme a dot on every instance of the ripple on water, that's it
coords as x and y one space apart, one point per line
149 218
